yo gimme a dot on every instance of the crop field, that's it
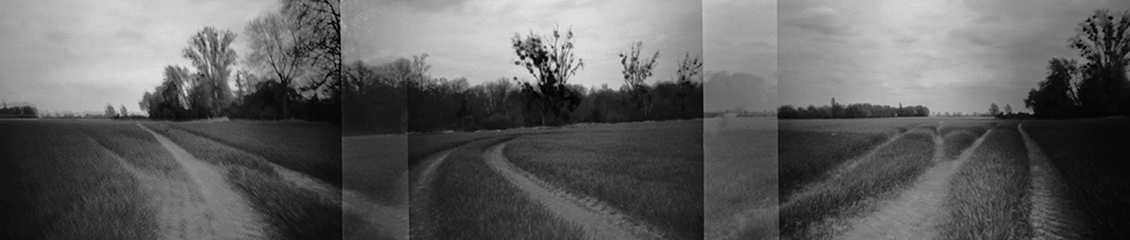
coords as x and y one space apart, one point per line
651 173
814 147
70 179
957 179
740 185
644 178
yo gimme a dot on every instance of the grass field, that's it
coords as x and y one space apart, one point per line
474 202
740 184
810 149
1091 157
988 195
310 148
58 183
652 171
892 167
374 164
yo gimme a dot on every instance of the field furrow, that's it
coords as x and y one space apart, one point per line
598 220
422 221
913 215
1050 218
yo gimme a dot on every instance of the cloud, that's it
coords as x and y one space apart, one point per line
823 20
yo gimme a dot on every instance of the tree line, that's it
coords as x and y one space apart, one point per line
18 112
400 96
855 110
1098 85
293 70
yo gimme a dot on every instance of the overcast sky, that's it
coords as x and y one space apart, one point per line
472 38
944 54
741 54
77 56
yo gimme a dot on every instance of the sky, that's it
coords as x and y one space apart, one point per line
947 55
78 56
472 38
740 44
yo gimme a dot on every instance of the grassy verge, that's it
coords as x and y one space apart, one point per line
473 202
1091 157
58 184
892 167
652 174
310 148
959 136
294 213
987 198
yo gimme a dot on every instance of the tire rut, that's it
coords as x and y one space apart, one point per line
597 219
422 219
205 208
1050 216
916 212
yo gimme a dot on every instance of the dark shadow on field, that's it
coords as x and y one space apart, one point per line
376 166
1091 158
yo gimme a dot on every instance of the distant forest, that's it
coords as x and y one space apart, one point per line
1096 87
400 96
293 70
856 110
18 112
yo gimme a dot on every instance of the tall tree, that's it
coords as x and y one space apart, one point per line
636 71
123 111
1057 95
551 62
110 110
275 49
994 110
1008 109
211 53
1104 41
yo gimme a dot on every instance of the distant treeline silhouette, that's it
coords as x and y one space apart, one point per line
1096 87
856 110
293 70
400 96
18 112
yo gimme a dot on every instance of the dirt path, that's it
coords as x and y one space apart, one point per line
205 207
914 214
1049 217
421 219
598 220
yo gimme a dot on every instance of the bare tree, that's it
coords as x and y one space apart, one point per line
319 30
275 49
